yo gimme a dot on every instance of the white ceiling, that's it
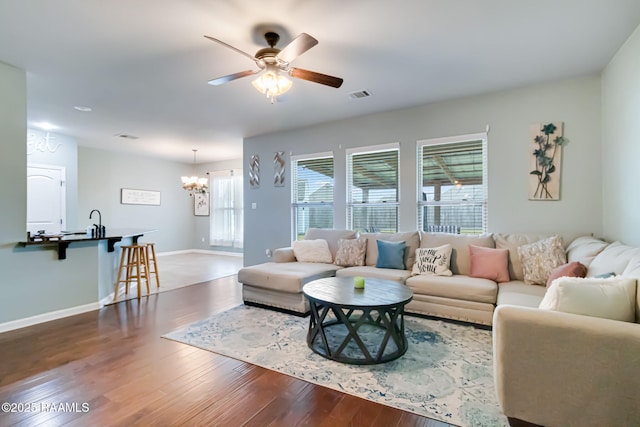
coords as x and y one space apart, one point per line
143 65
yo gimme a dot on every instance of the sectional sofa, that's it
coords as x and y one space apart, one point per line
560 358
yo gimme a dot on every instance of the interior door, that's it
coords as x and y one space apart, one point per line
46 190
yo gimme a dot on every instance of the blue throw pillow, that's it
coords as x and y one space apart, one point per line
391 255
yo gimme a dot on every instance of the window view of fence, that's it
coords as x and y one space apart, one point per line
453 195
372 178
312 193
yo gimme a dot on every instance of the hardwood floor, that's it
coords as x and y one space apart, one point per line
111 368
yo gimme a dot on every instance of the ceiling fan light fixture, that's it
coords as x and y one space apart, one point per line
272 83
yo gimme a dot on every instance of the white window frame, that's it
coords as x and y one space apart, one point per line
294 190
233 237
371 149
483 136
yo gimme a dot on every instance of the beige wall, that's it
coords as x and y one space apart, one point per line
576 102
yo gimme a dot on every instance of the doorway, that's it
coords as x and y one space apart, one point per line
46 195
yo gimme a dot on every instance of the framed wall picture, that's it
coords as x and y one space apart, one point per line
129 196
201 204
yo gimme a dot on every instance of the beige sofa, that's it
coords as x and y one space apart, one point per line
279 283
551 368
556 368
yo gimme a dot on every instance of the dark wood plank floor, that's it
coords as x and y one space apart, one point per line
113 362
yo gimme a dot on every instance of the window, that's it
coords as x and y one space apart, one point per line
226 226
372 182
452 184
311 193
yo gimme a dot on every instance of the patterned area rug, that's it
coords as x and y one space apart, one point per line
446 373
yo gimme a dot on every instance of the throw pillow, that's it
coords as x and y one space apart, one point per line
316 250
433 261
489 263
351 252
613 298
391 255
605 275
540 258
572 269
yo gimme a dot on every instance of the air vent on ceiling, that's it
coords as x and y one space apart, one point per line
126 136
359 94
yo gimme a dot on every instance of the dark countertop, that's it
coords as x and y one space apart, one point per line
64 239
112 233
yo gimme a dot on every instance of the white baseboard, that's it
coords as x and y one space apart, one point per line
47 317
106 300
201 251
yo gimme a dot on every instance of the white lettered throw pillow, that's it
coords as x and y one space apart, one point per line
312 251
612 298
433 261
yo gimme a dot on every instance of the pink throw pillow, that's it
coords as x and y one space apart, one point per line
489 263
572 269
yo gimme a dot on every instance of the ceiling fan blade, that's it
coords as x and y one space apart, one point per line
230 77
297 47
312 76
251 57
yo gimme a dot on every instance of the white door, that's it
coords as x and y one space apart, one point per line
46 189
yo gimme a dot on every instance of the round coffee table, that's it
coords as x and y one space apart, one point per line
357 326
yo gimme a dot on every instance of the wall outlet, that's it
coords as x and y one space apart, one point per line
203 240
254 205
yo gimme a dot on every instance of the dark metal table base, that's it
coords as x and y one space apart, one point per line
388 318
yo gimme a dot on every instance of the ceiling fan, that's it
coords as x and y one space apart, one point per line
276 62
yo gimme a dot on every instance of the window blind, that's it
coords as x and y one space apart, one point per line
452 179
373 190
312 193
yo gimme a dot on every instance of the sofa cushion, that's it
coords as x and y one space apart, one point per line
584 249
511 242
391 254
331 236
316 250
410 238
517 292
433 261
351 252
489 263
285 276
614 258
613 298
571 269
633 268
460 259
380 273
540 258
456 287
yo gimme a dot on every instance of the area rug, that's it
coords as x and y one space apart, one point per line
446 373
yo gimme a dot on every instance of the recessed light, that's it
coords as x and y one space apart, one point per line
83 108
45 126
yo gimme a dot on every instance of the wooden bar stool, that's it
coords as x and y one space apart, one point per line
133 261
151 262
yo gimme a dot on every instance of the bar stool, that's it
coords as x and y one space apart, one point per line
151 262
133 261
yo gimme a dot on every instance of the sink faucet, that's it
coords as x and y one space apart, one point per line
99 230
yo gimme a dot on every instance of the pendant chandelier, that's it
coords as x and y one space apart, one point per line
193 184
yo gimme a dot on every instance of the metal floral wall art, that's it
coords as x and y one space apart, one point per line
546 142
